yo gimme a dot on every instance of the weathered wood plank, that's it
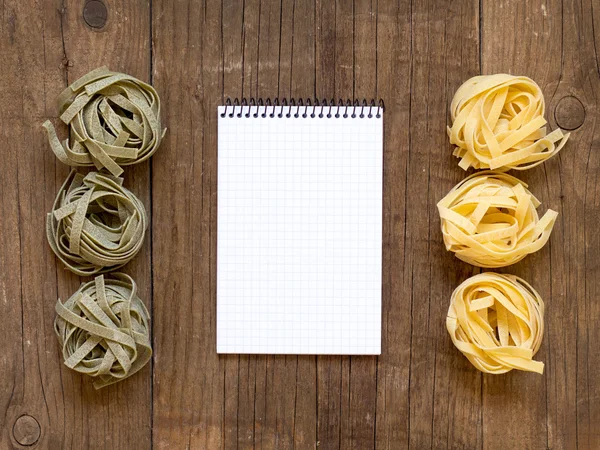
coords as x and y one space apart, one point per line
46 45
325 37
122 45
441 32
393 86
556 410
456 395
189 385
515 404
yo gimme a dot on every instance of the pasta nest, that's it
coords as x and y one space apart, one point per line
113 119
498 123
96 225
490 220
104 329
497 322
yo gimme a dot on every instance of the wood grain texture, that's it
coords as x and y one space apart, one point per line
558 409
421 392
44 46
444 391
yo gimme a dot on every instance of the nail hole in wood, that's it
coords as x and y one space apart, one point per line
26 430
569 113
95 13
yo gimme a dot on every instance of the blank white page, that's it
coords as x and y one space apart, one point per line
299 225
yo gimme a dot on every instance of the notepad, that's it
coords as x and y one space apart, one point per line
299 229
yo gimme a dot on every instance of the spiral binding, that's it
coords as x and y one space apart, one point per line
312 108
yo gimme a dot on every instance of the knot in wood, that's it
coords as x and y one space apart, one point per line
26 430
95 14
569 113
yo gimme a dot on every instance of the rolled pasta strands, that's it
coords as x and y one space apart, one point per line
490 220
498 123
113 119
497 322
104 329
96 225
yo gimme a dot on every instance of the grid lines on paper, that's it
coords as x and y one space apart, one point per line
299 235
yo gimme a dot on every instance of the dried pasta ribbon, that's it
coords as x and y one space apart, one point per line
113 119
490 220
497 322
96 225
104 329
498 123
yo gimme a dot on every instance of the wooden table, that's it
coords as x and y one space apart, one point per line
420 393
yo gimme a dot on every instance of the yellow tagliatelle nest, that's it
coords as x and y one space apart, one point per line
497 322
498 123
490 220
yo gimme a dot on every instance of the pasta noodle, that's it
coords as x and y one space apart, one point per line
497 322
104 330
490 220
498 123
113 119
96 224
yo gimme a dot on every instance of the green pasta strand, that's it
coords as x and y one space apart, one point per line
113 119
96 224
104 329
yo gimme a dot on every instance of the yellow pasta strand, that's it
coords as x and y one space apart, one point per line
497 322
490 220
498 123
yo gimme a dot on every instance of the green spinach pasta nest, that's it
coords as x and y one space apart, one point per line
96 225
104 329
113 119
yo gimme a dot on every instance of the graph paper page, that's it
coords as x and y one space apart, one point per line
299 225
